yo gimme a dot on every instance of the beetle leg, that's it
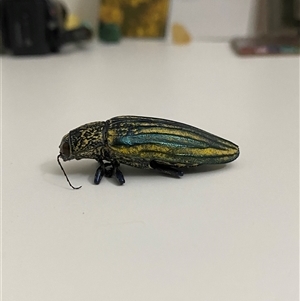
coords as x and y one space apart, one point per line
109 172
167 169
115 170
99 174
101 171
119 176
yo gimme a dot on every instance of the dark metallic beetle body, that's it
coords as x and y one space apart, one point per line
145 142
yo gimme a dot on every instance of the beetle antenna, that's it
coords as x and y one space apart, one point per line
66 174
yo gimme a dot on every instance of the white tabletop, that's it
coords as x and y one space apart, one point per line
226 233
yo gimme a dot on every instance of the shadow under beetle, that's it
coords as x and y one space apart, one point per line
144 142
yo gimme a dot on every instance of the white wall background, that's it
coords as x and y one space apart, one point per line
203 18
212 18
85 9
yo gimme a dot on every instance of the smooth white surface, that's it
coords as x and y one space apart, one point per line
216 234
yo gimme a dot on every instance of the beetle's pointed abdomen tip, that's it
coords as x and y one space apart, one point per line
235 152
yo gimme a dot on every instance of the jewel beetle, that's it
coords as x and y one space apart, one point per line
144 142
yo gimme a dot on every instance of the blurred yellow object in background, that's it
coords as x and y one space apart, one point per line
110 13
137 18
72 21
180 35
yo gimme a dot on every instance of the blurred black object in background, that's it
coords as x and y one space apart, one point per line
32 27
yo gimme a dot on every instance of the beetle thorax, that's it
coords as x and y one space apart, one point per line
87 140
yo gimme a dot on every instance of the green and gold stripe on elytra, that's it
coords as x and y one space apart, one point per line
149 138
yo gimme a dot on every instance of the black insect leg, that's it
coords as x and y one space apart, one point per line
115 170
100 172
103 171
167 169
108 170
119 176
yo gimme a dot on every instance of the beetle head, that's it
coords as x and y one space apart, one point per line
65 148
65 154
82 142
